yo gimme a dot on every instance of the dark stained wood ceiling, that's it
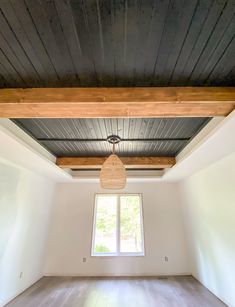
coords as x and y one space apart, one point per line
51 43
110 43
87 137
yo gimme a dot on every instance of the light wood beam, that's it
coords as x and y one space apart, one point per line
129 162
116 102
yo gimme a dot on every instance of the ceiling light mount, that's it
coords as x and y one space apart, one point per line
113 139
113 172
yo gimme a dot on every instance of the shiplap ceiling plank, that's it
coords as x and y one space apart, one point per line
63 43
87 137
119 43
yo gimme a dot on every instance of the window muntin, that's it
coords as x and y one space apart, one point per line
118 225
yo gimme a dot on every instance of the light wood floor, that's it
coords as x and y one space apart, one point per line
117 292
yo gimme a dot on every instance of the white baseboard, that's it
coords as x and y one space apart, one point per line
48 274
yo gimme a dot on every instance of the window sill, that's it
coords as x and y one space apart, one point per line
116 255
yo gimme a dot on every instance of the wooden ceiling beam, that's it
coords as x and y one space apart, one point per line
129 162
117 102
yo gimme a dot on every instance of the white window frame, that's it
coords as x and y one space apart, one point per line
118 253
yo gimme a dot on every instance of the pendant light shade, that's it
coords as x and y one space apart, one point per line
113 172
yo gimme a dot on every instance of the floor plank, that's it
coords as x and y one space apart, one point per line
183 291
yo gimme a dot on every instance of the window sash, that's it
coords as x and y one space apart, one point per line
118 232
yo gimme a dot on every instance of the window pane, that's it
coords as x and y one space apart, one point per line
130 224
106 220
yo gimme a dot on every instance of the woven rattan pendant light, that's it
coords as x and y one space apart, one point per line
113 172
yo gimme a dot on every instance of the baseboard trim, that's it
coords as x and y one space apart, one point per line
22 291
117 275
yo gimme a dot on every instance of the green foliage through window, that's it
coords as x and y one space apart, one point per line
101 249
118 217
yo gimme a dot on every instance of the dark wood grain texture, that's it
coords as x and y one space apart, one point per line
93 43
71 137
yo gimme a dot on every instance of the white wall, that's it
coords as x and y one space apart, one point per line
71 231
209 207
25 202
208 203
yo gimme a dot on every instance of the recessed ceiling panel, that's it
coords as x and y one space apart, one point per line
87 137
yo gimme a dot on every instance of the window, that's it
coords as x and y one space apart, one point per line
118 225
